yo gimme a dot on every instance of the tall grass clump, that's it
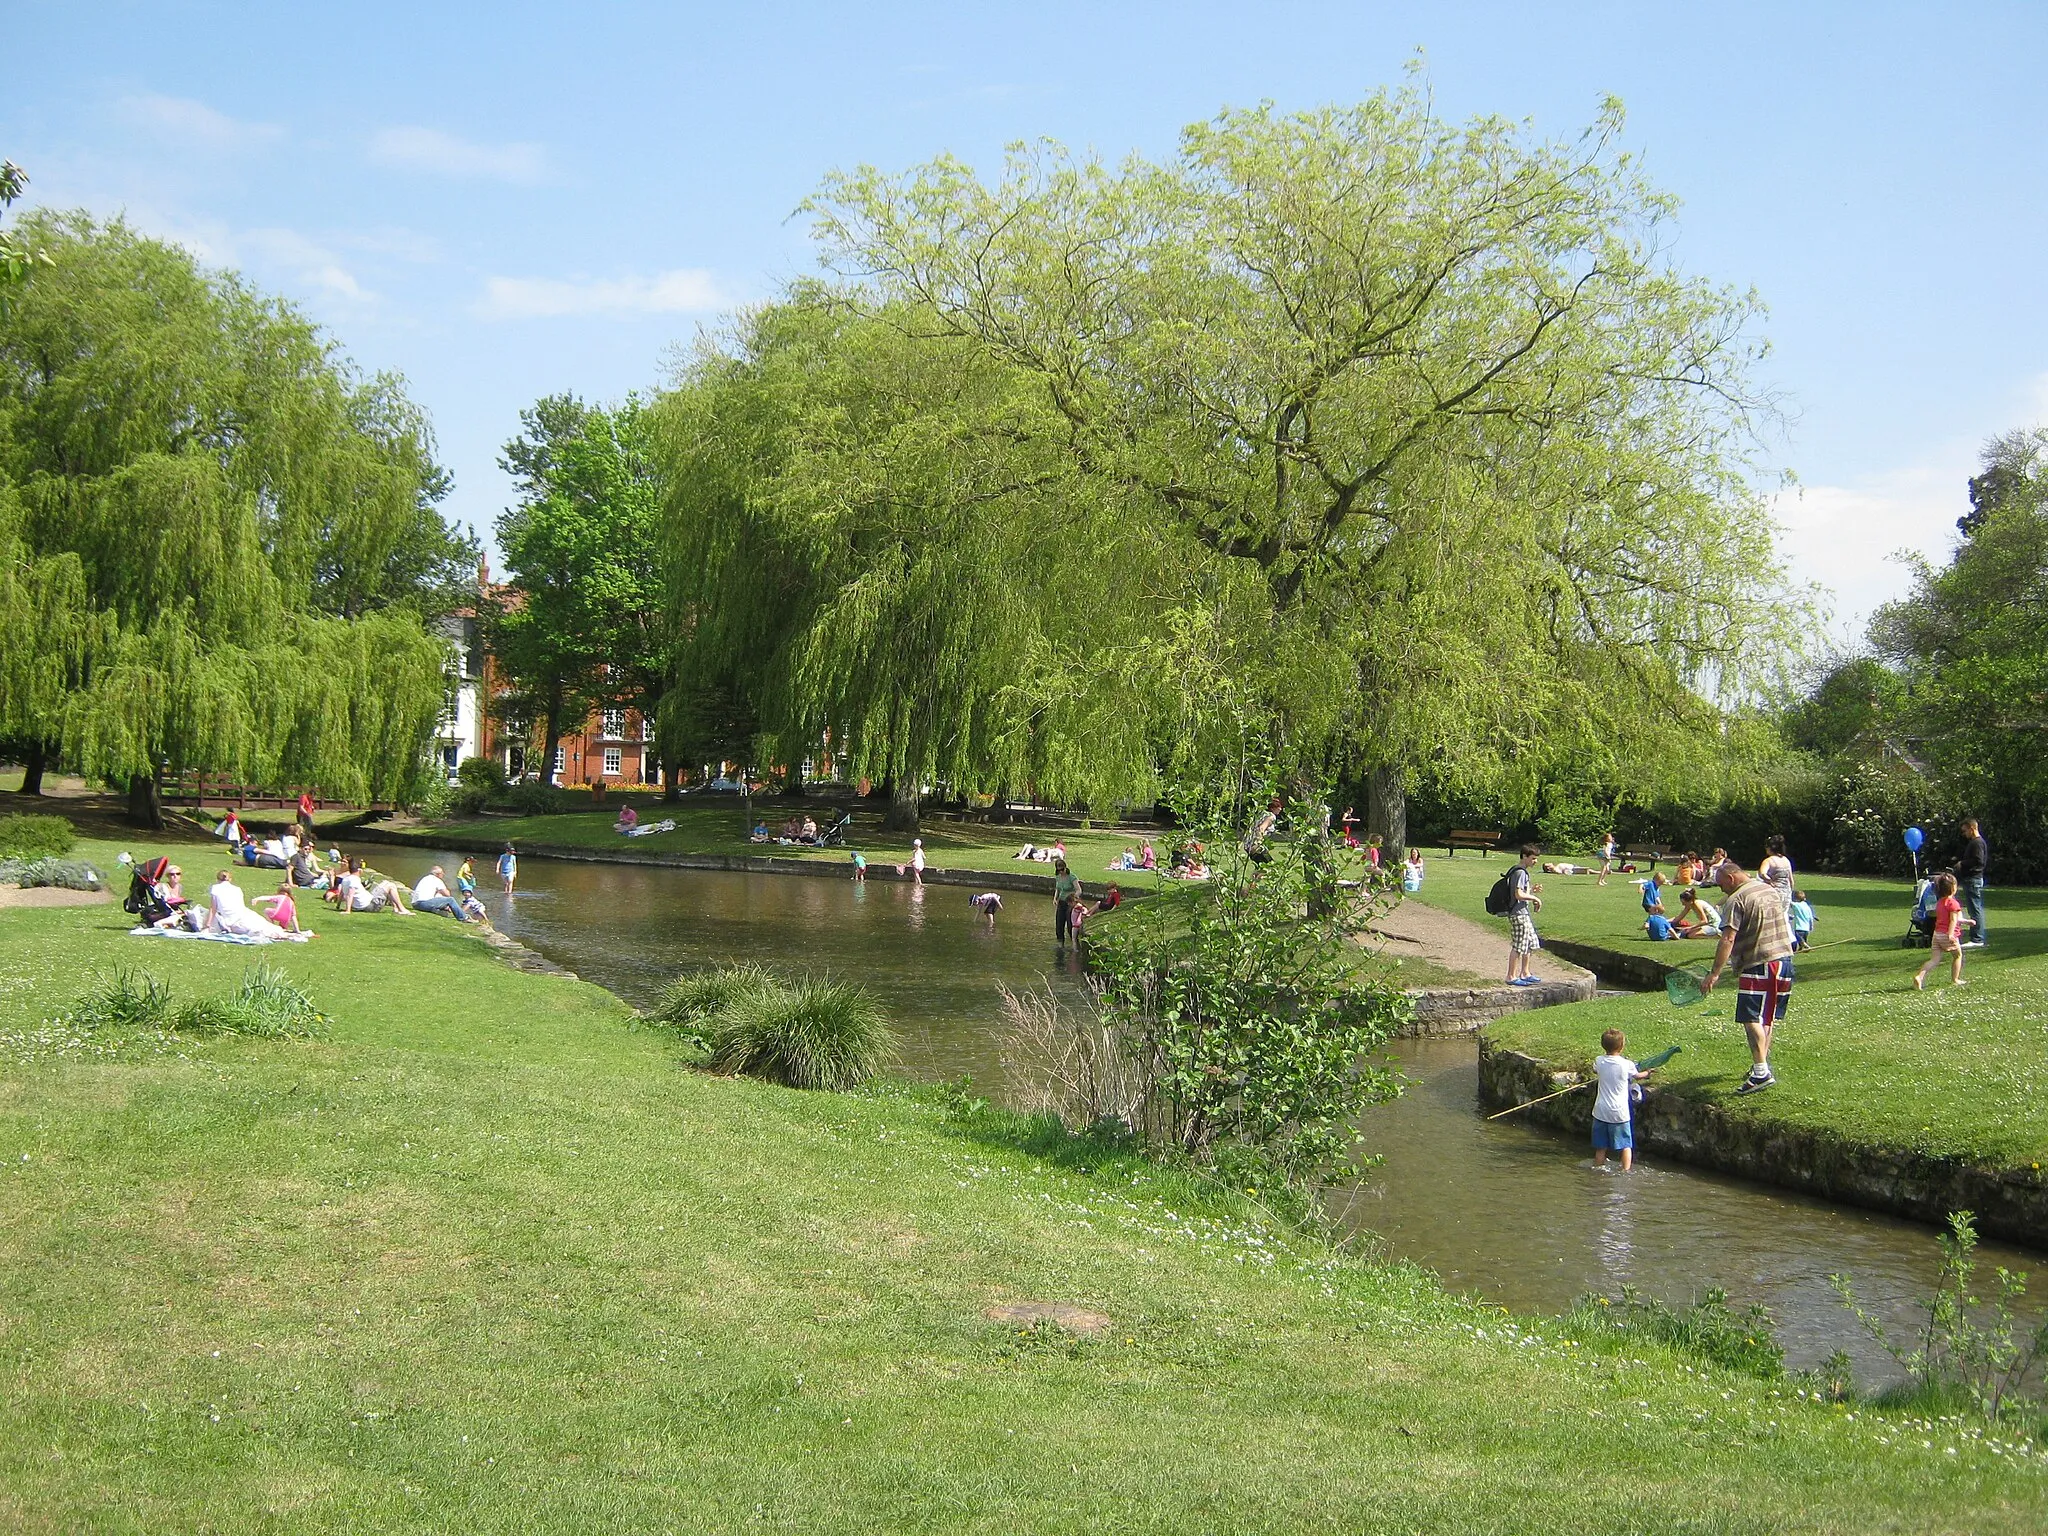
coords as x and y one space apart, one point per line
1708 1330
69 874
807 1033
36 837
128 1000
268 1005
694 998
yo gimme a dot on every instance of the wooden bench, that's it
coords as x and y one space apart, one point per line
1640 855
1470 837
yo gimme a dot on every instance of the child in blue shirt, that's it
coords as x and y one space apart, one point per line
1801 914
1659 926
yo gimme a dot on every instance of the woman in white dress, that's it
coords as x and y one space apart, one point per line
230 913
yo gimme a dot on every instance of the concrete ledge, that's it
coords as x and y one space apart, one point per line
1615 967
2011 1203
1461 1010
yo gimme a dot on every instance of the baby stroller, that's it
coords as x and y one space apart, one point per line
145 899
834 836
1920 921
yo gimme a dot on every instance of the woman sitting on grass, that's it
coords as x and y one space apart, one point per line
1698 918
354 892
229 912
282 910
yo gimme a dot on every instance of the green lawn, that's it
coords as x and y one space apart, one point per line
1961 1073
719 825
489 1258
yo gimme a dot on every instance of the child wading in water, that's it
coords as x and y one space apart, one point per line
1948 933
988 904
860 867
1612 1131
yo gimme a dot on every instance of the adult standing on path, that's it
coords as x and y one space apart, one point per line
1970 868
1064 889
1756 938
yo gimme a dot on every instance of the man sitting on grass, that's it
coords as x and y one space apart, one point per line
1756 937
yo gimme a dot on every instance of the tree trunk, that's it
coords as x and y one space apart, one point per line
1386 812
552 742
902 813
671 782
32 764
144 808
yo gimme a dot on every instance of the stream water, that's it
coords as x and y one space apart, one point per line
1507 1211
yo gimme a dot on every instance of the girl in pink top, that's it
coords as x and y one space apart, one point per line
1948 933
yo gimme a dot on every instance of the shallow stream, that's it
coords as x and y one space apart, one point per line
1510 1212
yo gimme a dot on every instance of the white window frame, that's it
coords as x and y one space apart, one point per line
611 724
561 759
614 762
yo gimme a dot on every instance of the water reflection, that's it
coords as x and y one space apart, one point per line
1508 1211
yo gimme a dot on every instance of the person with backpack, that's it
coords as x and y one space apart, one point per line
1514 897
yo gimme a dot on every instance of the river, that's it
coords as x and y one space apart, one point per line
1510 1212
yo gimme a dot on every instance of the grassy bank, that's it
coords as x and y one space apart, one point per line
719 825
1952 1073
488 1257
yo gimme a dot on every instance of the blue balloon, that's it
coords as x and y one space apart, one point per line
1914 838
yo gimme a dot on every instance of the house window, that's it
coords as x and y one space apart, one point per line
646 729
613 724
561 758
614 758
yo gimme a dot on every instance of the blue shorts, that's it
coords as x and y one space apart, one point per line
1763 993
1613 1136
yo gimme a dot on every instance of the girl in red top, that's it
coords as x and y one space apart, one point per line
1948 933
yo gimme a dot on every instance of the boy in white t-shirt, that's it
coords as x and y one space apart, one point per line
1612 1131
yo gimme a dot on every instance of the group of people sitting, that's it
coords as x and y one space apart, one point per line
1143 858
157 896
1699 918
800 831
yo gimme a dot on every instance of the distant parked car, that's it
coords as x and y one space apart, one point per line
724 786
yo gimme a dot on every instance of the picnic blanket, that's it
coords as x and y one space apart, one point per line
647 829
146 931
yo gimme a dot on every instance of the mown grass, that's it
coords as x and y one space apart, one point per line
719 825
1959 1073
487 1257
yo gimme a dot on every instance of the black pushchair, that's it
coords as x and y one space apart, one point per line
1920 921
834 836
145 895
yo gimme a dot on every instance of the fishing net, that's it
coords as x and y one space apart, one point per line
1651 1063
1685 985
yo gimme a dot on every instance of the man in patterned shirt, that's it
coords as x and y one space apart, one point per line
1756 937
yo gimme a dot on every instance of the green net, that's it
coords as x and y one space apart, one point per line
1658 1060
1685 986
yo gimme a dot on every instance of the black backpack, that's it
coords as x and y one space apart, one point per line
1502 896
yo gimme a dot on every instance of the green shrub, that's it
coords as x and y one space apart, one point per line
1707 1330
131 1000
36 837
484 773
538 799
70 874
806 1033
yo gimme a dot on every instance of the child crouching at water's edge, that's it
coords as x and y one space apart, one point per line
1612 1127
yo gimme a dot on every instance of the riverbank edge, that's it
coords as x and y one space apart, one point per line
2010 1203
730 863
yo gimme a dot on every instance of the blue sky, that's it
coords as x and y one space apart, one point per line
507 200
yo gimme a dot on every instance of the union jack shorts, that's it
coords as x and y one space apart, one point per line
1763 993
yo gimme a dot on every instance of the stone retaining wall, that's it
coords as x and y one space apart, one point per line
1461 1010
2011 1203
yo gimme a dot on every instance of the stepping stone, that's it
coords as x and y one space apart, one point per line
1023 1314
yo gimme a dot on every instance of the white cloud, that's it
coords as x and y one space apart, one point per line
429 149
306 259
195 123
1848 537
685 290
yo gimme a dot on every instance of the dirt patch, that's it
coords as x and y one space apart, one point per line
50 896
1459 944
1023 1314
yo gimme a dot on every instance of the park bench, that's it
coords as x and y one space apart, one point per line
1649 854
1470 837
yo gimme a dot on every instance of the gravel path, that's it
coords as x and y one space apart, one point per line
1460 944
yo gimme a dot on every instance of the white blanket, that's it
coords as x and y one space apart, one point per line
146 931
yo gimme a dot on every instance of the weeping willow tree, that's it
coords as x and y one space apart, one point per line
867 542
220 543
1466 455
